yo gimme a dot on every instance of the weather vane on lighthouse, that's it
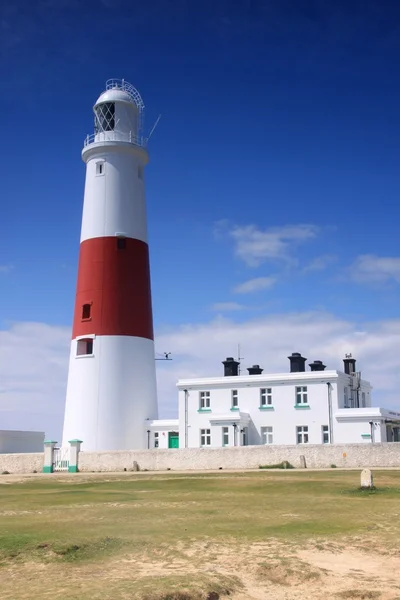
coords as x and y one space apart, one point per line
111 388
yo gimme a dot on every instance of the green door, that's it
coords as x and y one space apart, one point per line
173 439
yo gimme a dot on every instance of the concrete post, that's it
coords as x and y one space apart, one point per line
75 447
49 446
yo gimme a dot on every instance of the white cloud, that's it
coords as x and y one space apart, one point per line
369 268
227 306
255 246
34 359
255 285
199 349
320 263
6 268
33 371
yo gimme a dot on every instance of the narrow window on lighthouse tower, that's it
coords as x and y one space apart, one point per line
84 347
100 168
86 310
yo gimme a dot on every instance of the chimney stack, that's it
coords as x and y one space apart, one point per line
317 365
231 367
349 364
297 363
255 370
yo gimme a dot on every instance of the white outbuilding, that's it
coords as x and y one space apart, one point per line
20 442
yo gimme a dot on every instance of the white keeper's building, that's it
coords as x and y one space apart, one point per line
299 407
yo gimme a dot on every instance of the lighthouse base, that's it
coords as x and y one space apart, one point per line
111 394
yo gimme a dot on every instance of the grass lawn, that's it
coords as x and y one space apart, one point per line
178 537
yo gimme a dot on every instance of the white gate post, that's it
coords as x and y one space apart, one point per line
49 446
75 446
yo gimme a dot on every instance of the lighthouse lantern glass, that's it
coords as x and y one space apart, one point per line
105 117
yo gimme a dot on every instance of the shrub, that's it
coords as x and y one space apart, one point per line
5 473
333 466
282 465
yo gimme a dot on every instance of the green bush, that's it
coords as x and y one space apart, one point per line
282 465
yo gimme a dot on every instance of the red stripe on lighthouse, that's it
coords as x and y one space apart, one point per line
116 284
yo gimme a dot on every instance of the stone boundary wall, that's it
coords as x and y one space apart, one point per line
21 463
248 457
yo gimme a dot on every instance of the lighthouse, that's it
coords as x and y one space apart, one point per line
111 390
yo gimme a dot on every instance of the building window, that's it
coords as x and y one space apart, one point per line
301 395
266 397
205 437
86 310
204 400
225 436
302 434
235 399
363 403
84 347
121 243
156 439
140 172
267 435
346 397
325 434
100 168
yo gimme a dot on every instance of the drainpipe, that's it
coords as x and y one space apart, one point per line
186 417
330 412
148 439
234 434
371 424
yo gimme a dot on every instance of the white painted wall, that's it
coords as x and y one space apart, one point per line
160 431
284 416
114 201
21 441
117 386
345 392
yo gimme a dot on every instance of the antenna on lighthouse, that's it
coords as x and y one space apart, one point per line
165 357
154 126
239 359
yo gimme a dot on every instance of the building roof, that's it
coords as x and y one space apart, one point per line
258 380
166 423
366 414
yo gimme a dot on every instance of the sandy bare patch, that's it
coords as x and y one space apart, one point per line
358 565
262 571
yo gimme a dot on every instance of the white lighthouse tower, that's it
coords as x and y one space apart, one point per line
111 388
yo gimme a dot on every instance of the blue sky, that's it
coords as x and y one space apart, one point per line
272 187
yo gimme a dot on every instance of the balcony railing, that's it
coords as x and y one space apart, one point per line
115 136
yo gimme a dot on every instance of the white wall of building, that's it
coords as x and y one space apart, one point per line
159 432
283 415
15 442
